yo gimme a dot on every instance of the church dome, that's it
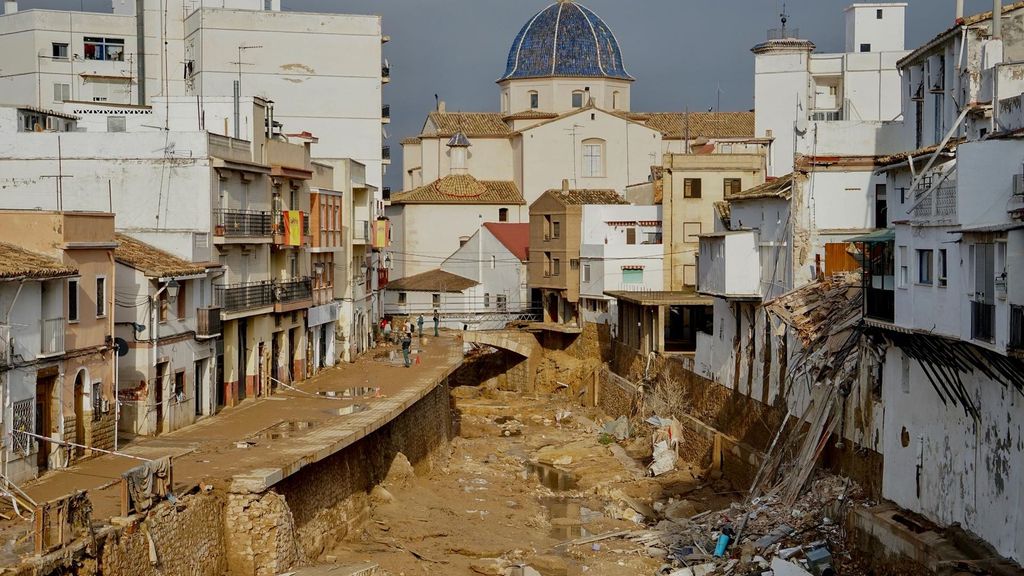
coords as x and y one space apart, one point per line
566 40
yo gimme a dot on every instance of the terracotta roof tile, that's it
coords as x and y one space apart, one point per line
515 237
673 125
587 196
410 140
472 124
780 187
461 189
531 115
432 281
152 261
16 262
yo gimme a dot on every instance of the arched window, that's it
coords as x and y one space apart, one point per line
577 99
593 158
502 214
534 100
615 100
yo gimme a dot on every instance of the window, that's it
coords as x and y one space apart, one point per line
942 268
547 227
61 92
925 270
630 235
73 300
691 187
878 14
732 186
502 214
593 158
586 272
632 276
574 264
487 300
60 51
502 303
534 100
556 229
104 49
182 302
615 100
179 385
577 99
504 102
904 267
939 99
116 124
865 47
402 298
556 267
435 300
101 296
881 206
494 261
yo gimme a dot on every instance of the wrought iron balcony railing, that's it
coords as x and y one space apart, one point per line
242 223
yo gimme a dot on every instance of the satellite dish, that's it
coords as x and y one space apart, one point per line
121 345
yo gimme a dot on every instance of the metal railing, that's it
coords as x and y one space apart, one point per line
208 322
828 115
242 223
1016 341
941 203
293 290
244 296
385 111
385 152
52 341
983 321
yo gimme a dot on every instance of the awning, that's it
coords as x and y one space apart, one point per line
878 236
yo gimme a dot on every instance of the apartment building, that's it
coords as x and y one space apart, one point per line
73 399
201 50
556 238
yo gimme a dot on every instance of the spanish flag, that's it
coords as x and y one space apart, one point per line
293 228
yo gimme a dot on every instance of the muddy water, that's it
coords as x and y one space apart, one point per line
552 477
285 430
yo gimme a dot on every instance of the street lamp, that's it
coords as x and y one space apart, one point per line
172 288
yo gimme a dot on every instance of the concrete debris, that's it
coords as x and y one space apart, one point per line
618 428
786 568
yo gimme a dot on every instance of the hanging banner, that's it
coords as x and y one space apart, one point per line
381 233
293 228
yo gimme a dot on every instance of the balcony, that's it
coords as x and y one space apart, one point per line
208 322
234 298
739 280
385 154
282 236
52 337
940 205
361 232
386 193
385 113
1016 340
385 74
828 115
292 295
983 321
241 225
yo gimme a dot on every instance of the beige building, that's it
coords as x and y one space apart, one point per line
556 235
74 398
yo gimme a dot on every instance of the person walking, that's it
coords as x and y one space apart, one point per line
437 321
419 322
406 346
387 331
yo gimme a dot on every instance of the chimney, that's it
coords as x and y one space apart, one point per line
440 106
997 19
565 185
10 6
959 11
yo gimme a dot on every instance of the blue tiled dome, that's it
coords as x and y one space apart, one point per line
565 39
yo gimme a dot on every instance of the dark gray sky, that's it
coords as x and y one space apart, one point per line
679 51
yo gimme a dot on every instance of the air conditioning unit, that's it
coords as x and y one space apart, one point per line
1018 184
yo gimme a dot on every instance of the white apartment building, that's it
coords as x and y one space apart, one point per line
201 50
821 104
621 250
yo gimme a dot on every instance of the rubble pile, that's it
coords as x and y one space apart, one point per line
761 536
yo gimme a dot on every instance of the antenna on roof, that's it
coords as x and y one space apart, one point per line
784 17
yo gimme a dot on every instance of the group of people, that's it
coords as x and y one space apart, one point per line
405 335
